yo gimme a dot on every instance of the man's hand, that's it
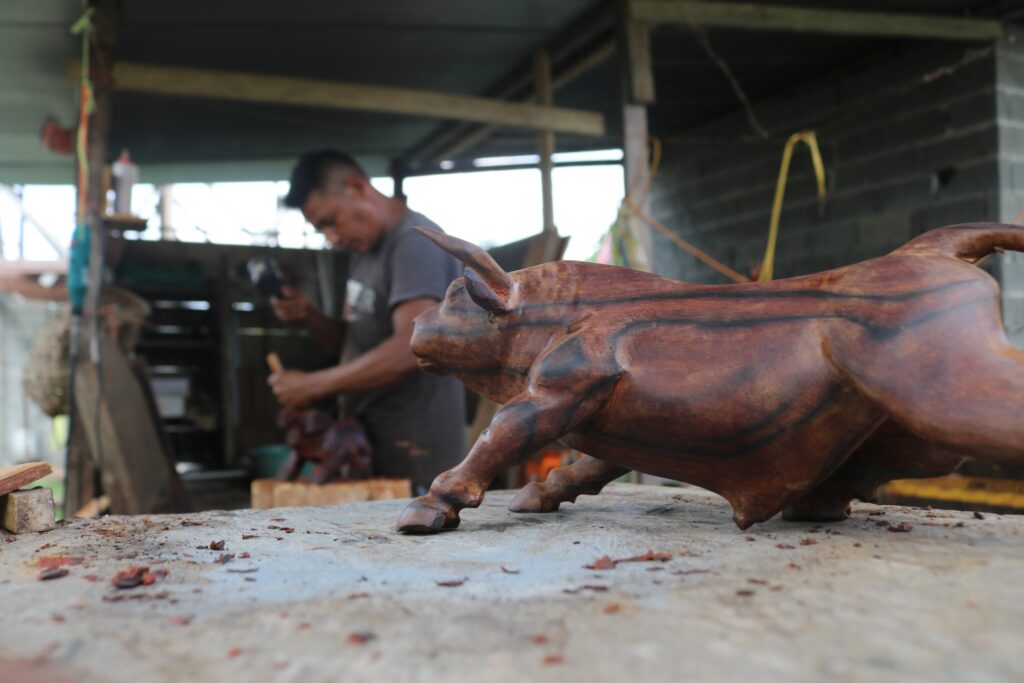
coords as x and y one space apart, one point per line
293 388
292 306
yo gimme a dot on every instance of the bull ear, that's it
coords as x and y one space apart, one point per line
485 296
486 282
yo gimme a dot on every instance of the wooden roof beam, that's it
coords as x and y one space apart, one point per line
762 17
246 87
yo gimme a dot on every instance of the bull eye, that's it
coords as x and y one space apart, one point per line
491 317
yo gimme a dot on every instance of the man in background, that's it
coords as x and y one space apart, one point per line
414 421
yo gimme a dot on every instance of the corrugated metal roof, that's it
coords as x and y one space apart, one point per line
457 46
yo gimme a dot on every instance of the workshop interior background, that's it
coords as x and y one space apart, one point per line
916 130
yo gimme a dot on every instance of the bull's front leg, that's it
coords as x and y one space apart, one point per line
523 425
568 384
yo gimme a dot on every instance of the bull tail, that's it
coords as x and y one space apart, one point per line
969 242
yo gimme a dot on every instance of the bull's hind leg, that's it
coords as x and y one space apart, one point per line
890 453
949 375
585 476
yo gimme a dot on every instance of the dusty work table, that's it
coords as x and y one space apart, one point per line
332 594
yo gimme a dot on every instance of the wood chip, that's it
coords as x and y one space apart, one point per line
58 561
451 583
52 573
360 637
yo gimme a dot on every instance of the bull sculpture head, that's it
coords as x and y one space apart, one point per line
464 329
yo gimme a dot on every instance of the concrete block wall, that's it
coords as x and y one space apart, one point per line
906 148
901 156
1010 111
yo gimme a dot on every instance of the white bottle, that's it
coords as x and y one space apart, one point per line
126 174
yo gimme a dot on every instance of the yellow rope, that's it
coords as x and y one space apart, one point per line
807 137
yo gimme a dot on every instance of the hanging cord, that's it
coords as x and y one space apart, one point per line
87 105
702 38
810 139
622 237
696 252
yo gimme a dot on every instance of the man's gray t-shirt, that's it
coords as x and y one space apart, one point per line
417 425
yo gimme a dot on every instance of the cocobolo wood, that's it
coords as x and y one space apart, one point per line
795 395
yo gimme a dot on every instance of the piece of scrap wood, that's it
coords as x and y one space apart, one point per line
13 478
94 508
30 510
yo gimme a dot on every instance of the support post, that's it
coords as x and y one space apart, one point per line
637 92
105 17
398 172
80 469
545 138
164 207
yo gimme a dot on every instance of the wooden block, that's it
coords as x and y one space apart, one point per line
269 493
262 491
30 510
13 478
288 494
389 489
339 493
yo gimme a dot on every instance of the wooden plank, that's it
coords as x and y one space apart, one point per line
268 493
31 289
94 508
121 428
571 47
339 493
246 87
573 71
80 470
761 17
13 478
390 489
28 511
32 268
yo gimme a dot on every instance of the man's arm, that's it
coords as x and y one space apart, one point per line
387 363
293 306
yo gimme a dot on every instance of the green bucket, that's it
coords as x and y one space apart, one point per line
265 461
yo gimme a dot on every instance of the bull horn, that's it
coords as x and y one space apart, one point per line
486 282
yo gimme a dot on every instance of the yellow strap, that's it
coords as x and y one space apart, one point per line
1004 493
807 137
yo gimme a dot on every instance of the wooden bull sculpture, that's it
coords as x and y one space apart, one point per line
795 395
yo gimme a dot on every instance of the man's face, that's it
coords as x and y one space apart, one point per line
344 217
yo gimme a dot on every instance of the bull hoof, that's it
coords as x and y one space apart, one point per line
535 497
426 515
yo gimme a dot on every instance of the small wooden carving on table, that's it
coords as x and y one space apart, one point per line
796 395
338 449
